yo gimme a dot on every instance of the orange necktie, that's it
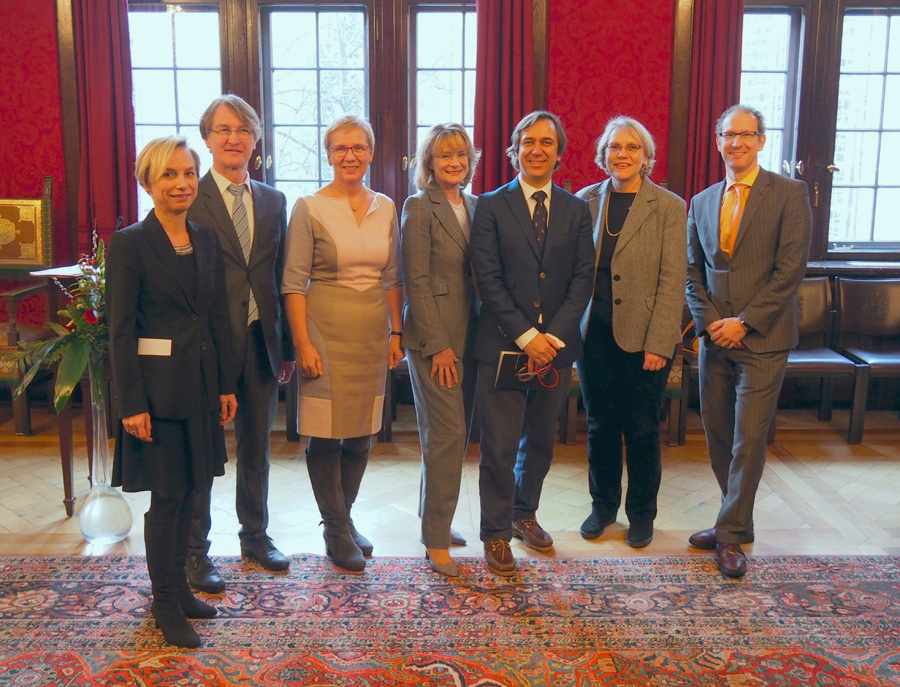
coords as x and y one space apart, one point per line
730 217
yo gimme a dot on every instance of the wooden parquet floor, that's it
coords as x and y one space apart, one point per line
818 495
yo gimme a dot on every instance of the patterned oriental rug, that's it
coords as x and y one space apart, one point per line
833 621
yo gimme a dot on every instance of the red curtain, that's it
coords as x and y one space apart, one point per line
504 84
715 86
106 187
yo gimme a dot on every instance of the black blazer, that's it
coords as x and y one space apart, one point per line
263 273
145 298
522 287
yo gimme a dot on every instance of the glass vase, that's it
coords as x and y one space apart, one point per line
105 514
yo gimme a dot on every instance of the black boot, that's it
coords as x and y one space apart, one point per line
166 610
190 604
324 465
354 459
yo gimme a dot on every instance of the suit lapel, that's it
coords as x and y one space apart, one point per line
755 200
559 213
446 216
215 206
710 237
162 247
515 198
643 204
260 211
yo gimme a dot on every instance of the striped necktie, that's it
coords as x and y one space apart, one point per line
242 228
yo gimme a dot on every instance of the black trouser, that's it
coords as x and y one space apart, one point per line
621 399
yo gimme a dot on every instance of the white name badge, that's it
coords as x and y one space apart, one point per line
155 347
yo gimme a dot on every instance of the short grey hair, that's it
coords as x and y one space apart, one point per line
526 123
640 133
349 122
153 160
241 109
760 120
437 135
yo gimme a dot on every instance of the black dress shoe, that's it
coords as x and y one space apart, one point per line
264 552
595 524
203 576
732 560
639 534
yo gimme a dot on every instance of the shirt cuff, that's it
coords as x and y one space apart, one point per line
559 342
524 339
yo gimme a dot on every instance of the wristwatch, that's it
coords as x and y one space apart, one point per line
746 326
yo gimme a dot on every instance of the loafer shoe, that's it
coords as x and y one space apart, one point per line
456 539
263 551
203 576
595 524
732 560
532 535
639 534
499 557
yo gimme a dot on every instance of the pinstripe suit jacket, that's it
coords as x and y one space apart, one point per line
648 265
439 285
759 282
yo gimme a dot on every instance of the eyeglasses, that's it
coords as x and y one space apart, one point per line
631 148
447 157
225 132
745 136
341 151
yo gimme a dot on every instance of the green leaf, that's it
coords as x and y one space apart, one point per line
35 358
71 370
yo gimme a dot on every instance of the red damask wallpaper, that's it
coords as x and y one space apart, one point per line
30 112
609 58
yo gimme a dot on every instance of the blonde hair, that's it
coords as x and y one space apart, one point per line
349 122
438 134
153 160
639 131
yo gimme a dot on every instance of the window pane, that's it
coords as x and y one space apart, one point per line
195 141
766 41
294 189
863 44
154 96
893 62
472 40
886 215
888 169
770 157
295 96
439 40
197 39
297 153
343 92
469 103
851 215
859 102
438 96
150 35
891 117
196 90
342 39
292 40
766 91
856 155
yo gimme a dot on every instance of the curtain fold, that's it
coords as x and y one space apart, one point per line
106 188
715 85
504 84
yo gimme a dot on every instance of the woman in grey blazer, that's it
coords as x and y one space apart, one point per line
631 327
438 323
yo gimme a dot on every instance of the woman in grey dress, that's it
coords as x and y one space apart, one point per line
437 322
343 290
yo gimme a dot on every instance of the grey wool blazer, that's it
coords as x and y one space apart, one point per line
759 282
647 268
439 284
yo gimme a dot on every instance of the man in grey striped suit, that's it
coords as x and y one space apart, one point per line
748 244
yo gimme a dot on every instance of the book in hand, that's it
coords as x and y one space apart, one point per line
513 373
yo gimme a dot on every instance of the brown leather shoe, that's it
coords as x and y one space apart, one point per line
532 535
499 557
732 560
704 539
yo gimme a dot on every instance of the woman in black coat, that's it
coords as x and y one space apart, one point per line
170 351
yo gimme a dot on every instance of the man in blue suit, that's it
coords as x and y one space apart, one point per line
533 257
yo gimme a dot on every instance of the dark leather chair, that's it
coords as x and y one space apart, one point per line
868 328
814 357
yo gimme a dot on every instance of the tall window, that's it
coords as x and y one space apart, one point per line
176 73
827 75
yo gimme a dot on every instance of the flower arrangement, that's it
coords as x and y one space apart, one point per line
81 341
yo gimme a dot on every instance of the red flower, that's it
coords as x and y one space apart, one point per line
90 316
70 326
